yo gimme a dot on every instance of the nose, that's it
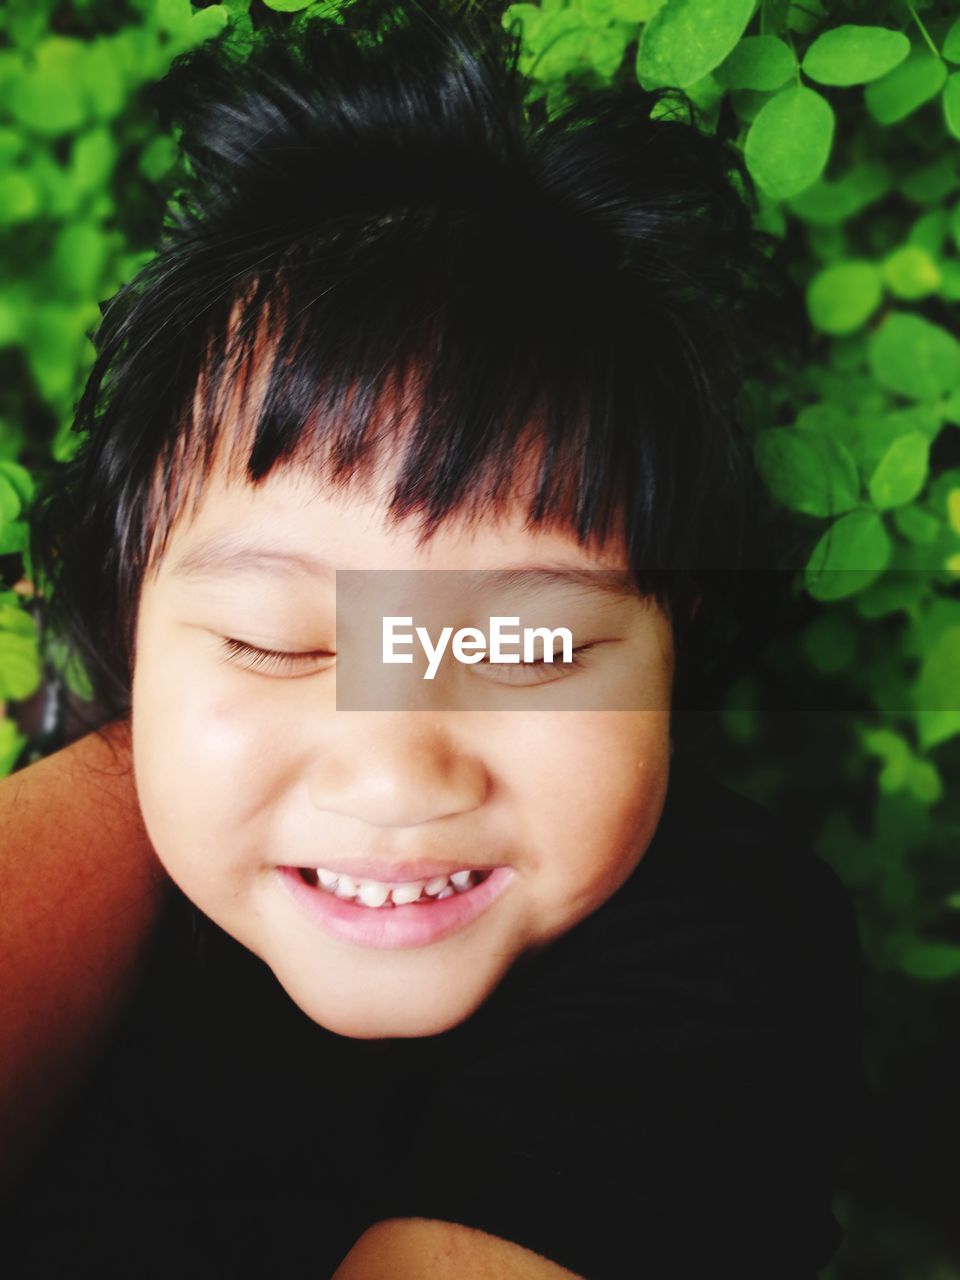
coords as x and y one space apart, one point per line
397 769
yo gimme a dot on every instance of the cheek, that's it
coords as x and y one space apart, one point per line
203 776
592 796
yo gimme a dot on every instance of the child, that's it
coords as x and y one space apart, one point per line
444 993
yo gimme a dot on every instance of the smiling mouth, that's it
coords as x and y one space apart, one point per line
380 896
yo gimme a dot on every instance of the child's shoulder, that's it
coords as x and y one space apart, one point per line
705 817
730 909
663 1089
716 846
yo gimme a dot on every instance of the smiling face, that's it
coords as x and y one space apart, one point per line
247 771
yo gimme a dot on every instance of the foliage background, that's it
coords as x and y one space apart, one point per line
848 718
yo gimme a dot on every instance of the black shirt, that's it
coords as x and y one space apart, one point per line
661 1093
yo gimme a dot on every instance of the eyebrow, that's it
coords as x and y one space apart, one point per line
228 556
615 582
224 556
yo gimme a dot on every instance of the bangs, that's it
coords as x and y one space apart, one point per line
459 360
381 255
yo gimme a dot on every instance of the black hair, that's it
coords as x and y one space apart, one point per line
374 208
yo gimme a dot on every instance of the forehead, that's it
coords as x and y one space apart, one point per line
292 522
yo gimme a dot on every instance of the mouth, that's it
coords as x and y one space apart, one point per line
379 895
385 916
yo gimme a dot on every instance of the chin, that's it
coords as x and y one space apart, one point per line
381 1015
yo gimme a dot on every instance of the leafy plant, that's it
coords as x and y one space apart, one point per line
848 116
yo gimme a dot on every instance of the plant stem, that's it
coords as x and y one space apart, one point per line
923 30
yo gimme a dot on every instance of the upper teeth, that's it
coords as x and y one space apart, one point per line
376 893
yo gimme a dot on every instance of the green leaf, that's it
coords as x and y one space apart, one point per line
92 159
60 199
842 297
103 80
13 538
706 93
173 15
931 183
50 95
951 43
830 642
901 91
21 480
850 554
10 504
11 332
930 232
807 471
566 42
158 157
828 203
930 960
12 742
870 435
687 38
528 17
924 782
937 692
829 245
76 678
914 357
79 258
894 750
208 22
901 473
242 37
14 620
326 10
19 197
950 282
27 21
789 142
19 666
910 272
287 6
11 144
187 29
758 62
748 103
633 10
804 15
917 525
951 104
852 54
935 727
895 591
57 340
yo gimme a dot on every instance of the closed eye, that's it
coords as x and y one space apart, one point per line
253 658
539 671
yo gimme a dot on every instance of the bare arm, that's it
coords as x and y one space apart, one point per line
425 1249
80 887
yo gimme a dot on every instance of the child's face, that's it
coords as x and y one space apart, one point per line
244 771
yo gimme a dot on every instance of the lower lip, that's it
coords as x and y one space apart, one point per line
392 928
